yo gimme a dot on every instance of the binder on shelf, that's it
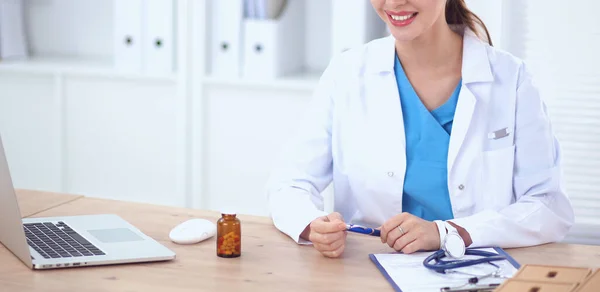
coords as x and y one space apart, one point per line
260 7
250 9
128 35
158 36
13 40
227 34
275 47
274 8
263 9
354 23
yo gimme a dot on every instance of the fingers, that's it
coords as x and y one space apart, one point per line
403 241
322 226
412 247
326 238
391 224
331 244
324 247
328 235
335 217
335 253
394 235
418 235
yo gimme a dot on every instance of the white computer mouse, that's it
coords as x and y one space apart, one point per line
193 231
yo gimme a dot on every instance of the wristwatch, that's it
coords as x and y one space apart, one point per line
450 241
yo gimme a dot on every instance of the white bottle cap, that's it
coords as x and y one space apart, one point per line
228 212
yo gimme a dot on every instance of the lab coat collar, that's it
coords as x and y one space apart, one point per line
474 68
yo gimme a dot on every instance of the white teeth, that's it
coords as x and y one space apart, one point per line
402 18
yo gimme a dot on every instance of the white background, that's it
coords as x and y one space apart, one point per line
71 122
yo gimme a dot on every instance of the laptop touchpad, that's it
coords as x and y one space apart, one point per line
115 235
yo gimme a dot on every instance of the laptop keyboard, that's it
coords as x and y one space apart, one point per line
58 241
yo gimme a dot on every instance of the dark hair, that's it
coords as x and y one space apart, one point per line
457 13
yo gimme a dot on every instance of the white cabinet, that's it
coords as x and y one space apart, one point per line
122 140
246 132
30 119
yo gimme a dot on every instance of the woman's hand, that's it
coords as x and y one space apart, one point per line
328 234
414 234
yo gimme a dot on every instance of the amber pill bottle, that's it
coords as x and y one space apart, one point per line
229 236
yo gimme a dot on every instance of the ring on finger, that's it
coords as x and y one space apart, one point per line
401 230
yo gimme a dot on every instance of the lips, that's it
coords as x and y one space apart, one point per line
402 19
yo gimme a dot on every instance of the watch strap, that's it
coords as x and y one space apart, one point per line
450 228
442 231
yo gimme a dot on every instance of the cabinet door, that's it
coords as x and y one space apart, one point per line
122 140
30 130
245 130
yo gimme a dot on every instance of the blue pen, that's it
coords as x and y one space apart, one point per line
363 230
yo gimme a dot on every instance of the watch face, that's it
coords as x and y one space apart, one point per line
455 246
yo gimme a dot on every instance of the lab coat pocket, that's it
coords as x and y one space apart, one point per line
497 177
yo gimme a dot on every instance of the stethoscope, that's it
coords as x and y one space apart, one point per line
449 266
443 266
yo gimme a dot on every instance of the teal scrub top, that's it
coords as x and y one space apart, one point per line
425 191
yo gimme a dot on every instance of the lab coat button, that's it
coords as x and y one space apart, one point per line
390 174
461 187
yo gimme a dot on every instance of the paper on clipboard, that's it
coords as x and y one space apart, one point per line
406 272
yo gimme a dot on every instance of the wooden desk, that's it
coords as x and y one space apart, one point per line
33 202
270 261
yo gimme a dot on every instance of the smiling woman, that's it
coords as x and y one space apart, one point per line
428 12
428 134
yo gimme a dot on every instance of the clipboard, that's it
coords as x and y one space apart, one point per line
413 261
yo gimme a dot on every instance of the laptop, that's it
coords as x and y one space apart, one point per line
74 241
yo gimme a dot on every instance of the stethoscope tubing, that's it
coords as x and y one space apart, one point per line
441 266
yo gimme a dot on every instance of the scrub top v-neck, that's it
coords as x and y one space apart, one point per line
425 191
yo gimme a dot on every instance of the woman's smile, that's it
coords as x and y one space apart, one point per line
402 18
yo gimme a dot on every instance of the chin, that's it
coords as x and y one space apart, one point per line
404 35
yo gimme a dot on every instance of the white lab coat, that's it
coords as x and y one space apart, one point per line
505 192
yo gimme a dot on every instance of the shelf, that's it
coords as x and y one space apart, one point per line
76 66
305 81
